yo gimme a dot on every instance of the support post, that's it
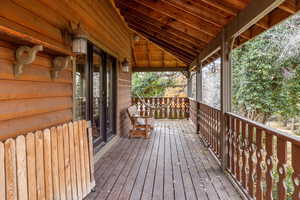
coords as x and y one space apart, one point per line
189 84
225 96
199 84
198 92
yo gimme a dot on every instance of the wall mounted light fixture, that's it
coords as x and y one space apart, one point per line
125 65
80 39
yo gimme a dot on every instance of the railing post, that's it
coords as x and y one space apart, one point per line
225 97
189 84
198 91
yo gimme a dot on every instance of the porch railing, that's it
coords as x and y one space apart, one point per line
264 162
163 107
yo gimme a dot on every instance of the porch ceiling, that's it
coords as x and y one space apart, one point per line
184 27
147 56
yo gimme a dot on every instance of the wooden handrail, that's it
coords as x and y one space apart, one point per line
178 107
261 160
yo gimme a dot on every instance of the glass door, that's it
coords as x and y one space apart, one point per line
96 96
110 96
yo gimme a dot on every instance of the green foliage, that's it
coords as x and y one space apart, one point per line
266 77
151 84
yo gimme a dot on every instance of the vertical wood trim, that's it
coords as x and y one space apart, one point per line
67 162
83 176
31 166
86 157
91 154
55 172
21 168
72 161
10 170
61 163
48 165
40 178
2 172
77 160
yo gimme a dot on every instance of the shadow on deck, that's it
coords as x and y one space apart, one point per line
172 164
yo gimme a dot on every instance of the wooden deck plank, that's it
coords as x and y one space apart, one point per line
110 181
177 176
198 183
187 179
140 181
158 188
172 164
221 183
150 177
126 192
168 171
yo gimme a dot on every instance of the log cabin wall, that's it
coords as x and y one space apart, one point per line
34 101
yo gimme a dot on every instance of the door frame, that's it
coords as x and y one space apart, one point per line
103 94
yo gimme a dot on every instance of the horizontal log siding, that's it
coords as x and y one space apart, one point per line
33 101
124 101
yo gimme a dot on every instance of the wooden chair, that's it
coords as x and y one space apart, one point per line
141 125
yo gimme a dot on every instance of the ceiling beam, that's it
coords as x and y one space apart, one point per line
151 8
178 29
198 10
255 11
222 5
172 40
168 41
159 69
165 30
183 56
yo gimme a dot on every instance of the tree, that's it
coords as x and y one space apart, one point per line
266 74
153 84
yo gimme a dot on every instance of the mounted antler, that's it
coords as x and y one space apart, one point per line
24 56
60 63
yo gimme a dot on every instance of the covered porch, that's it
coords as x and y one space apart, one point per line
173 164
66 84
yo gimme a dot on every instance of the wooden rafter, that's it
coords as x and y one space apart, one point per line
194 37
174 41
189 42
172 16
170 41
181 55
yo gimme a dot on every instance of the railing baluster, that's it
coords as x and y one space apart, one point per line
259 163
244 142
281 167
237 148
296 174
269 161
250 161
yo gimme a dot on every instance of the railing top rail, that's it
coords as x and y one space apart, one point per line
286 136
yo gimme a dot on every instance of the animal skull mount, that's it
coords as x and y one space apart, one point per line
25 55
60 63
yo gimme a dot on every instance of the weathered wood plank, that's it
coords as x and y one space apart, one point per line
150 177
86 157
48 165
31 166
77 160
10 170
72 161
67 162
81 153
61 163
2 172
40 175
54 164
21 167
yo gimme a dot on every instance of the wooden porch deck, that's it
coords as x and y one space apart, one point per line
172 164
